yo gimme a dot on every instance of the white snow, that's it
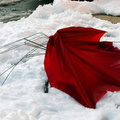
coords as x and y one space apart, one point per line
22 96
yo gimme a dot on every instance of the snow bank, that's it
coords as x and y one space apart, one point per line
96 7
22 96
109 6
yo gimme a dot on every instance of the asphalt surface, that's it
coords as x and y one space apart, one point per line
112 19
17 10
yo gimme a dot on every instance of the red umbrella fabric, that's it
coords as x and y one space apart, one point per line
77 63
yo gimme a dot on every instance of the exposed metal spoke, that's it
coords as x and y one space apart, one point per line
40 45
22 39
32 41
15 65
6 70
11 48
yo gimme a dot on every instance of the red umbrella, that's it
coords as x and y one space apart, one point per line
77 63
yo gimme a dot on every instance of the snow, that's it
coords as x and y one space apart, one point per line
22 96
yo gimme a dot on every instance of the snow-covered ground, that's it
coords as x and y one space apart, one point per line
22 96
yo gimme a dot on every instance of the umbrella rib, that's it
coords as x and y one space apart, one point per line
15 65
40 45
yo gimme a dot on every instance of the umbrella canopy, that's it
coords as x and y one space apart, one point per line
77 63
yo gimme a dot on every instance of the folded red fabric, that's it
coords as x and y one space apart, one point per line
77 63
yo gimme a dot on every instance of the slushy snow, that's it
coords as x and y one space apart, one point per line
22 96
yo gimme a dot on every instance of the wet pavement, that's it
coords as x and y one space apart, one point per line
17 10
112 19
